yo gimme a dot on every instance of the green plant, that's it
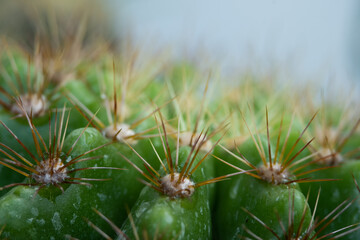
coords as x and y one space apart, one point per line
245 174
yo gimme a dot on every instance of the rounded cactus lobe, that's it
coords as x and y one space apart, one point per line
122 187
165 217
62 211
26 215
336 147
266 201
335 192
265 192
181 218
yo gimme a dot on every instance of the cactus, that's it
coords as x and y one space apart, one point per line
118 146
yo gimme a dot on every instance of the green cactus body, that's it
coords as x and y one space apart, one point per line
23 132
51 213
333 193
158 216
266 192
336 147
266 201
119 92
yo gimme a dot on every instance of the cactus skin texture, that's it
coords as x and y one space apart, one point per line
333 193
267 201
51 213
158 216
261 199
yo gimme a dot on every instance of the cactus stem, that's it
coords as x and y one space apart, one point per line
50 168
176 184
315 227
276 170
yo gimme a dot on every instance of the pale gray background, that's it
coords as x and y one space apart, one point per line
301 39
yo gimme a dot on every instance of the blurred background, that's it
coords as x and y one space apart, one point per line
300 40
